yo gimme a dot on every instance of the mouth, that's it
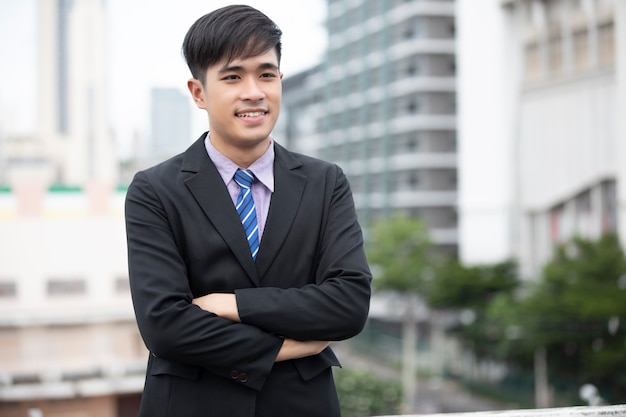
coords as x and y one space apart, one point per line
251 114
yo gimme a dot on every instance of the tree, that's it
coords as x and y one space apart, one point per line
399 249
577 312
362 394
473 290
399 246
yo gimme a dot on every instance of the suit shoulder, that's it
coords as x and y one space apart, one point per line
195 156
165 167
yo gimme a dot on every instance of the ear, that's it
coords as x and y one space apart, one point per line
281 75
197 92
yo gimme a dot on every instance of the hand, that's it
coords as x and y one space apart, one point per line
295 349
222 305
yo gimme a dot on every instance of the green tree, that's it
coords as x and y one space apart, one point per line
362 394
473 290
577 312
399 251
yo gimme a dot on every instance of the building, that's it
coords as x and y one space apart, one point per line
170 122
542 85
68 338
69 344
383 107
73 144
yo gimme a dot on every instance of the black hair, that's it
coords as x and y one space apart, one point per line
229 33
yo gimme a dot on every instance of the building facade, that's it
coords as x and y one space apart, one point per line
542 144
73 144
170 122
383 107
69 344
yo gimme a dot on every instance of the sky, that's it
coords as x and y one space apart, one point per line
144 41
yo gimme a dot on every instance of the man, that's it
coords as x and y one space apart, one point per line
234 327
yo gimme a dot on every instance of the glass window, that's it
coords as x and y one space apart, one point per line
70 286
8 289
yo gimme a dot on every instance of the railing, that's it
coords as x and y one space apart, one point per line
591 411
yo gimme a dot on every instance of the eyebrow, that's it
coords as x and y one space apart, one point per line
235 68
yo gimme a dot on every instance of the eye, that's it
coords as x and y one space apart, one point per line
268 75
230 77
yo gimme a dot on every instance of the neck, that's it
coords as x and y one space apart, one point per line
243 157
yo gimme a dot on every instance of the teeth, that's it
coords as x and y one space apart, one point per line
251 114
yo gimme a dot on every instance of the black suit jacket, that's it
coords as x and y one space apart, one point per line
310 282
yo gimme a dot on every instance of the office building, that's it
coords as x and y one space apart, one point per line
383 106
73 144
542 94
170 122
69 344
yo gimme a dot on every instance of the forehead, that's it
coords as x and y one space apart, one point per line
266 59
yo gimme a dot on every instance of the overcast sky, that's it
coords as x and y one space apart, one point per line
144 43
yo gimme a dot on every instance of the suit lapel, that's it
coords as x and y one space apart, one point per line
289 186
208 189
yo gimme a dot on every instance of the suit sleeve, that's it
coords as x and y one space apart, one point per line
336 305
172 327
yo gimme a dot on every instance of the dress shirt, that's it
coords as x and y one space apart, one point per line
263 170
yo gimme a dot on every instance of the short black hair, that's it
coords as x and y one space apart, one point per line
229 33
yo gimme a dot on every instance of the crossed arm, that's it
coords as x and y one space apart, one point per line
225 306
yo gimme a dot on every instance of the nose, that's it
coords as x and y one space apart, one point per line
252 90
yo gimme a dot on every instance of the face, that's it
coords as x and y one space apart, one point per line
242 99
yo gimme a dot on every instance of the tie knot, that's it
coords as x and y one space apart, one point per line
244 178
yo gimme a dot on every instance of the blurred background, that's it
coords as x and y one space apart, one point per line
483 143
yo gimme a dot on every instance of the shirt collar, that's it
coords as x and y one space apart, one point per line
262 168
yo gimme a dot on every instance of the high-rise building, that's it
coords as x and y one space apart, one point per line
383 107
73 144
542 94
170 121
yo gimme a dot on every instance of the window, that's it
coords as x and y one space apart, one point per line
581 49
609 206
70 286
606 40
8 289
407 143
556 55
122 285
533 61
353 117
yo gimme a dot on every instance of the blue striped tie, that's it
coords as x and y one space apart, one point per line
247 211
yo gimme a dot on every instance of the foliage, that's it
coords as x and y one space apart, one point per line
577 311
459 286
474 290
398 250
362 394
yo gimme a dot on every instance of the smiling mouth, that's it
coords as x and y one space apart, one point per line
252 114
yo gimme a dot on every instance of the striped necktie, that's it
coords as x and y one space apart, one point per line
247 211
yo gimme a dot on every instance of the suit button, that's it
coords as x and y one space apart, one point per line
234 374
243 377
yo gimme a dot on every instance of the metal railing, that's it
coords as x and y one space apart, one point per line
583 411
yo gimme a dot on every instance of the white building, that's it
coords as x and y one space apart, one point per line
68 337
69 344
73 144
542 146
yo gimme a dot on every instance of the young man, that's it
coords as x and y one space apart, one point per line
234 327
